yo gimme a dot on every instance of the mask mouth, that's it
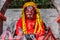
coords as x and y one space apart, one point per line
29 16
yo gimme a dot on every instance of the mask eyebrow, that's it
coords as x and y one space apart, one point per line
29 7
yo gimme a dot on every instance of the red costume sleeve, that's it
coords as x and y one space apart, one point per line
19 24
42 32
43 29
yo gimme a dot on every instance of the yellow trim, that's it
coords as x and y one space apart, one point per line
23 23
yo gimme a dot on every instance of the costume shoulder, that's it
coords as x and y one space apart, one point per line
19 22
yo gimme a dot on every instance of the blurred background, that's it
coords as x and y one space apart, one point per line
39 3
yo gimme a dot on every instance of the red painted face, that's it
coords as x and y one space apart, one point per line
29 12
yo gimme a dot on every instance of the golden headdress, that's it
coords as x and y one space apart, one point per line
38 18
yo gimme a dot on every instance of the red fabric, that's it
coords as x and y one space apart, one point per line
30 27
58 20
42 32
19 24
2 17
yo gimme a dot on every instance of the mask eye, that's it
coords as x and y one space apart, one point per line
32 11
26 11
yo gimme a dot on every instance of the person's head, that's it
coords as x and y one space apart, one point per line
30 12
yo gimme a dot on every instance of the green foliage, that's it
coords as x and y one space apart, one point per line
39 3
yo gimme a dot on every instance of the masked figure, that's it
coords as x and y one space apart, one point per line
31 22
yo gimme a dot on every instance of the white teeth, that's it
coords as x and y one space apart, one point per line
28 15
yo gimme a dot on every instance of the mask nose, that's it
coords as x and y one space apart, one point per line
29 13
